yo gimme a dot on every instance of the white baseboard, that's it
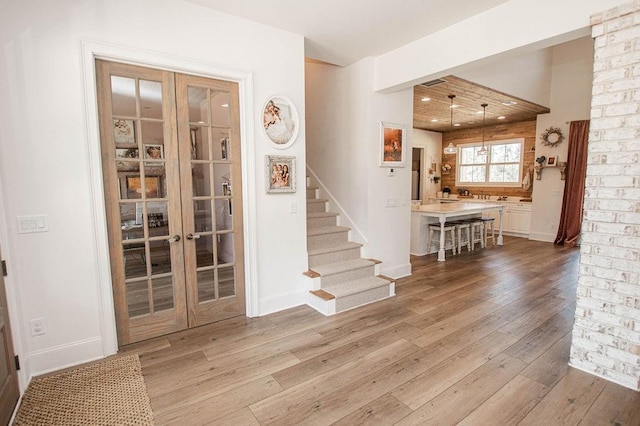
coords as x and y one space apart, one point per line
397 271
539 236
60 357
282 302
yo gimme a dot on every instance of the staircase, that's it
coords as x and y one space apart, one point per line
340 278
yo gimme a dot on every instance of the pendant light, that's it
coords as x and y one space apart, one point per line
450 149
483 150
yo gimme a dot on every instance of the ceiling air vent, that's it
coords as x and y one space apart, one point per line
433 82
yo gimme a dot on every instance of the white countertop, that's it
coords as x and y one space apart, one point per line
509 200
459 207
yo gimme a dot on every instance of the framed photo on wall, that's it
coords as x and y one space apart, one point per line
152 188
124 131
280 121
552 162
392 145
280 174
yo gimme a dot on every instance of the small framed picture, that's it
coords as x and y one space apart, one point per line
194 140
552 161
224 148
124 131
151 187
280 174
154 152
392 145
226 189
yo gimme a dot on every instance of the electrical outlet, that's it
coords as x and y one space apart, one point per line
37 326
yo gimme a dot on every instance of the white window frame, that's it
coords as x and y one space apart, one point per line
488 145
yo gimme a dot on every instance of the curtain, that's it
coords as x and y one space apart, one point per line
576 172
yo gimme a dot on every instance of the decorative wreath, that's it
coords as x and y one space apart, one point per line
552 136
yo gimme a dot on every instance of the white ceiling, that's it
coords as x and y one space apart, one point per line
342 32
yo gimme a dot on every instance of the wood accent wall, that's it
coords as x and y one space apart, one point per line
525 129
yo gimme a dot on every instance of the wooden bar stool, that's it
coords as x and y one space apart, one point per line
489 221
463 234
477 232
449 230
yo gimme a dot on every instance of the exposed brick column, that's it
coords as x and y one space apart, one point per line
606 335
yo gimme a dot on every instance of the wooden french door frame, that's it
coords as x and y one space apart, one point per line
173 319
9 390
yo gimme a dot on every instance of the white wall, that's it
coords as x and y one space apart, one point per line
510 29
343 149
571 76
526 76
49 152
431 142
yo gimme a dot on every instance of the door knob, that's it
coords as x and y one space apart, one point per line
174 239
193 236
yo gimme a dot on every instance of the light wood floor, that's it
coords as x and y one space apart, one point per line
481 339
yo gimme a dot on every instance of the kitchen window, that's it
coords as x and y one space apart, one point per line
501 166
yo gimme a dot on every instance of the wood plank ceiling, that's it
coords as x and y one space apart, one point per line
435 113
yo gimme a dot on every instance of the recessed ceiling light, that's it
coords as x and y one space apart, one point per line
479 112
425 99
509 103
502 117
434 120
225 105
456 125
454 106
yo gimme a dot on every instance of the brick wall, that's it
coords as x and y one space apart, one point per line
606 335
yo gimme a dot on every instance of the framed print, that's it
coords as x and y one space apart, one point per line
154 152
129 164
151 185
280 121
392 145
280 174
193 133
124 131
224 148
552 162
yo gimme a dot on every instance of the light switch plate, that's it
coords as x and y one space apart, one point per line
33 223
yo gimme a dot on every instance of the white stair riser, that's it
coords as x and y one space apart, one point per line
325 307
335 256
343 277
323 240
316 207
364 298
311 193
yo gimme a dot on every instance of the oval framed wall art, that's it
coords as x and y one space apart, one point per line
280 121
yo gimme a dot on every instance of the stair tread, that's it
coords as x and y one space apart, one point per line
344 266
317 200
321 230
333 247
316 215
356 286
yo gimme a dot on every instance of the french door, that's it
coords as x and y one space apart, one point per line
170 148
9 392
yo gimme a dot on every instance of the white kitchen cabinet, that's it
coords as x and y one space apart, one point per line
516 219
519 218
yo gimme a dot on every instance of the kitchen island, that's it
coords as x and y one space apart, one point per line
424 215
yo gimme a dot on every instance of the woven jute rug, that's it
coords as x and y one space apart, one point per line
107 393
